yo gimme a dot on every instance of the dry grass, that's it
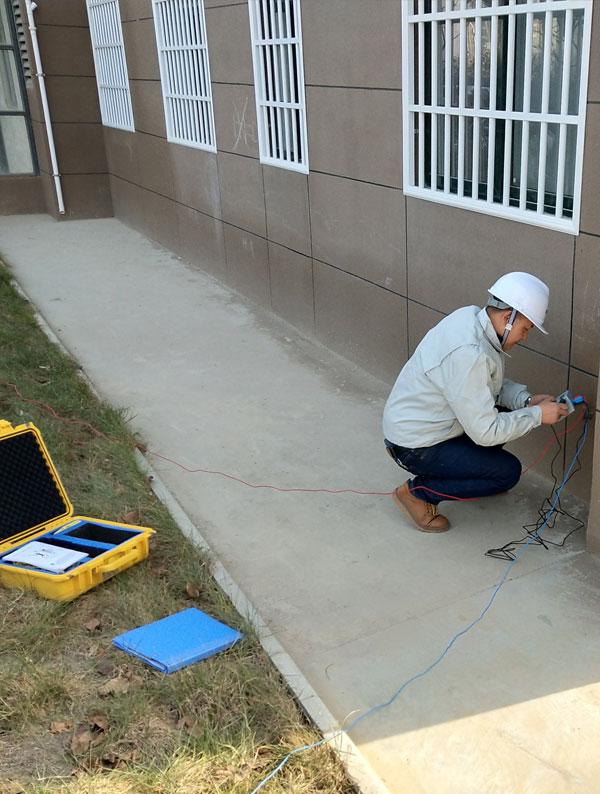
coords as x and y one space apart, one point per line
79 716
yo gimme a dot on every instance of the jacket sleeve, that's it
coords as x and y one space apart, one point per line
513 395
463 378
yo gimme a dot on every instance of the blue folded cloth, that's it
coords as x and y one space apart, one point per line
178 640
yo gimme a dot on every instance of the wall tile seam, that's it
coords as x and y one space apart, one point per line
145 80
576 369
360 278
354 87
225 5
41 25
56 74
228 82
355 179
588 234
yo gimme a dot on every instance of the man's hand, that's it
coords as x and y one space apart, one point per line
537 399
552 411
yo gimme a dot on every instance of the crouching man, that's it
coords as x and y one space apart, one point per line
442 421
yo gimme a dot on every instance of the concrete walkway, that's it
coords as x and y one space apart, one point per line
358 599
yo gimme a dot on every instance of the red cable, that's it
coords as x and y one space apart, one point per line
145 449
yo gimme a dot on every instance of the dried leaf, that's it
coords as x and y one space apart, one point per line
131 517
192 590
116 686
81 741
93 624
105 667
98 722
11 787
190 724
162 570
61 727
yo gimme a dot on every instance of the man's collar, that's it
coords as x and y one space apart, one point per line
490 332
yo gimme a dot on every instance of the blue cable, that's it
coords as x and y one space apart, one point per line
450 644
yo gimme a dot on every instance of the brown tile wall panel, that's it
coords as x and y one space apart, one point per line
148 107
360 321
61 12
140 50
590 206
73 98
121 153
136 9
86 196
288 216
235 119
292 287
359 228
344 41
421 319
356 133
587 385
228 36
541 375
154 164
242 192
21 195
594 75
247 264
201 241
160 219
66 50
454 256
196 179
585 341
127 202
80 148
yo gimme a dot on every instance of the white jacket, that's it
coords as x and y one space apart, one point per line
452 384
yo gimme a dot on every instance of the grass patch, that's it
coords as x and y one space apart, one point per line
79 716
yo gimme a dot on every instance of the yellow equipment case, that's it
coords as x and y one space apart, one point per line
34 506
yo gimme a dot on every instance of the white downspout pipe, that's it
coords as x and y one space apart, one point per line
31 6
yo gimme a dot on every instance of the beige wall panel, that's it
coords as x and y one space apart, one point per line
344 41
136 9
160 219
228 36
121 153
590 206
288 216
587 385
140 50
421 319
292 287
247 264
86 196
66 50
80 148
196 179
61 12
360 228
585 341
73 99
201 241
148 107
360 321
235 119
154 164
454 256
356 133
21 195
242 192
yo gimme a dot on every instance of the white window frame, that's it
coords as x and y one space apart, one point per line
279 84
415 109
180 27
110 64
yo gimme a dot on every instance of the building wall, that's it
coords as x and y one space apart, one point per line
65 46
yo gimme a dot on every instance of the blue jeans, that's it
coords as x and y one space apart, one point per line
457 468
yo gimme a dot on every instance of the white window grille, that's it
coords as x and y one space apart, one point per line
184 72
276 32
110 64
494 99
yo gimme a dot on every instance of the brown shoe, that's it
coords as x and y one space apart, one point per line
424 515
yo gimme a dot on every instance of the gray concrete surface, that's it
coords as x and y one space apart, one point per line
358 599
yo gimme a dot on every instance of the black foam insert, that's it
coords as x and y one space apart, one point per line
100 533
29 494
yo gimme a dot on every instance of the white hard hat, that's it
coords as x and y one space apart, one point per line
525 293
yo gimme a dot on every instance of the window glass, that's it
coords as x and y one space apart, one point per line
10 90
15 150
